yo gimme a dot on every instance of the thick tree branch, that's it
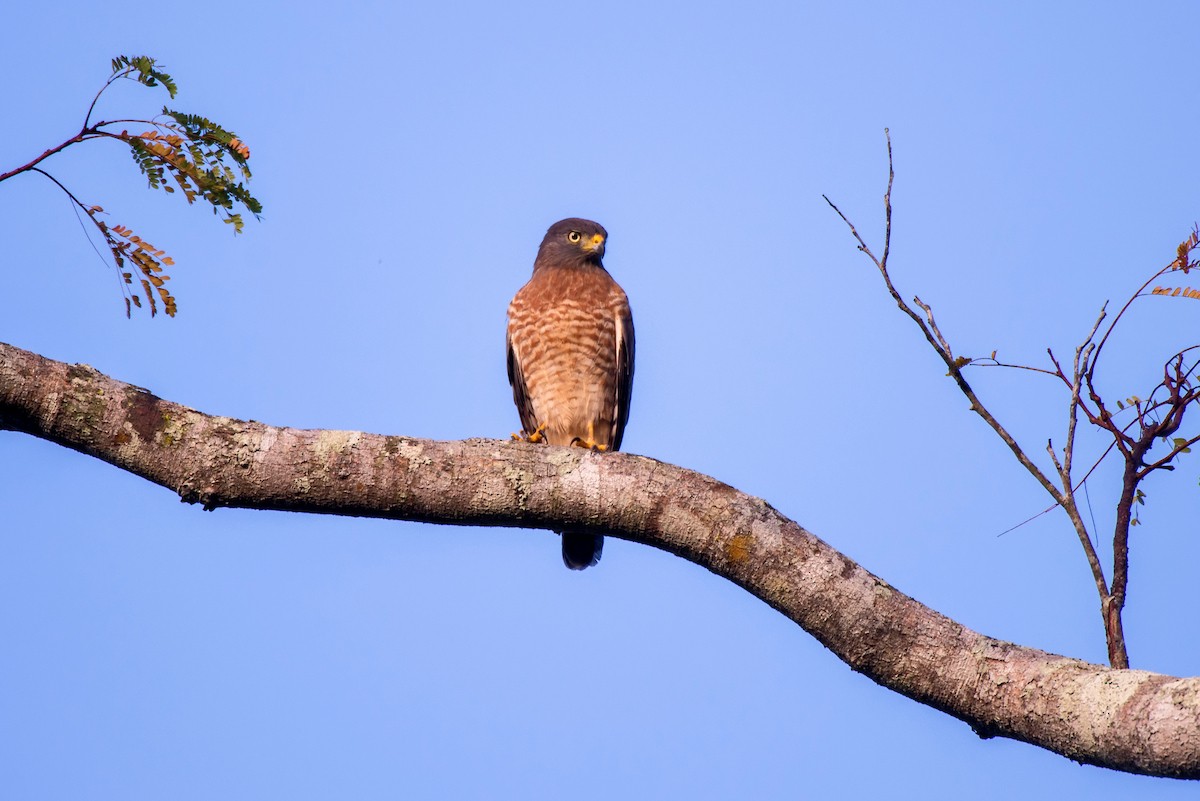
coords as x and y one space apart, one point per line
1128 720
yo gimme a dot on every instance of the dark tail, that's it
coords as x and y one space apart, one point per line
581 550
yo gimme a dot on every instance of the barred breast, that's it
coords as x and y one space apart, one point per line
563 326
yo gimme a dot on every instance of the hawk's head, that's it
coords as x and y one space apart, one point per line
572 242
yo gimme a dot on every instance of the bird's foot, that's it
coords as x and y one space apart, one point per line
590 444
535 437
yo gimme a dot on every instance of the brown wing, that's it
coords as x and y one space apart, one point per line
520 393
625 345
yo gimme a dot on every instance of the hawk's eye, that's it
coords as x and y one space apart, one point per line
574 236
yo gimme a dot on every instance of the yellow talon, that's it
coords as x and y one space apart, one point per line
535 437
589 443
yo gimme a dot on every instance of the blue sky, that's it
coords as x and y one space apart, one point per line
410 159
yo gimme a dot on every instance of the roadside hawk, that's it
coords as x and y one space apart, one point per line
570 354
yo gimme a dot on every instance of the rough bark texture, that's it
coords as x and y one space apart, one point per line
1128 720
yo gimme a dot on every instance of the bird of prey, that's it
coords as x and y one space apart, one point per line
570 354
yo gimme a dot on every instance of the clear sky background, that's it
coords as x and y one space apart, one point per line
410 159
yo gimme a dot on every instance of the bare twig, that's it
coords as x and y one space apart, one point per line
934 336
991 361
1154 418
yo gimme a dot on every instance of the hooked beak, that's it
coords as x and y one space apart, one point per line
595 245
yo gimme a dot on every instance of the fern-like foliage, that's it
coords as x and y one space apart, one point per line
201 158
176 151
143 70
1185 263
148 260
